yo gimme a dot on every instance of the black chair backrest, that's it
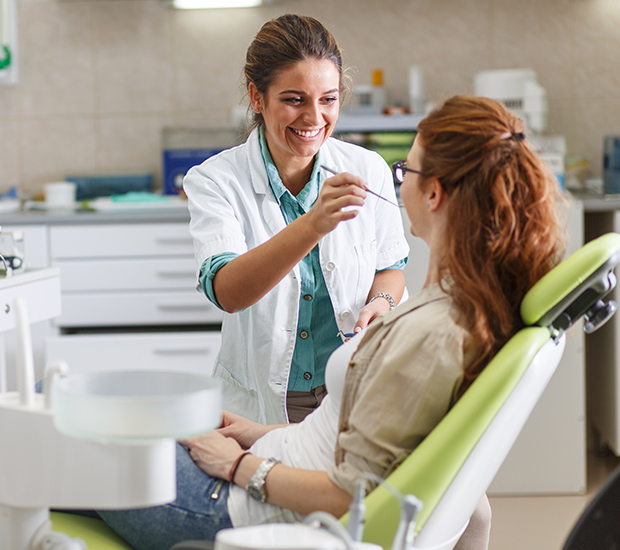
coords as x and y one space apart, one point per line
598 528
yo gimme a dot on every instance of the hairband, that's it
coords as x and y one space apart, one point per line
517 136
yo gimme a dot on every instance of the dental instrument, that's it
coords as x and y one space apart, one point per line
332 171
357 511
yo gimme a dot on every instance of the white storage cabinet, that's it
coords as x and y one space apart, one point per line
129 299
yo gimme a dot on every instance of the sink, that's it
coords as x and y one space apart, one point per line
135 406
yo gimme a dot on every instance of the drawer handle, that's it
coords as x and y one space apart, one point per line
174 240
175 306
176 274
198 350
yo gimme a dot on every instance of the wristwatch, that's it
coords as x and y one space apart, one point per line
256 485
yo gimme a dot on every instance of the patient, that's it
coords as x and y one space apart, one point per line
486 206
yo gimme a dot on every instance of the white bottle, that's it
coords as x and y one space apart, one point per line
417 97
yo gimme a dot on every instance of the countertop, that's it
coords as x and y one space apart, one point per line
84 216
593 201
596 201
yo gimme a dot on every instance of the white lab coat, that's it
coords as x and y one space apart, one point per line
233 209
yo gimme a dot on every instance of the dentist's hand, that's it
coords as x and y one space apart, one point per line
370 312
337 193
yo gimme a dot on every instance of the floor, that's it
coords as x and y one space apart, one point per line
543 523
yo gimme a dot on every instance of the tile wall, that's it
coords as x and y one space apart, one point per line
99 79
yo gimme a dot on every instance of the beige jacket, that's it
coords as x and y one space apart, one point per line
400 383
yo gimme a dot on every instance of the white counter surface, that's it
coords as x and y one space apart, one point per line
38 217
597 202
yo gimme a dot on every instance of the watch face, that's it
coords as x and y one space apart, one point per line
256 493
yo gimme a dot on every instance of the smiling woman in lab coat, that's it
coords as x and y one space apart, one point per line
296 258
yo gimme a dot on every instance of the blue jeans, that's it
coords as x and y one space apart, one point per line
194 515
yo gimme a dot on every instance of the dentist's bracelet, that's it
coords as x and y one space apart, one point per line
386 296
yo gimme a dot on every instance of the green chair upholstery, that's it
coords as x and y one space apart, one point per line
96 534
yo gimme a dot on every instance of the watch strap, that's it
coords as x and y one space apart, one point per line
256 485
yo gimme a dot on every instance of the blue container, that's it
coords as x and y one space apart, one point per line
91 187
611 164
176 164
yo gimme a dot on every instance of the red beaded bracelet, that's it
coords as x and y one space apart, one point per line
235 466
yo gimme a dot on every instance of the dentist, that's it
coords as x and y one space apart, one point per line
295 258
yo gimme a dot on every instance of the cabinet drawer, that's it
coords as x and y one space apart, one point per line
127 274
120 240
82 309
190 352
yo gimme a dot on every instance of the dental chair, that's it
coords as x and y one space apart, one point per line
455 464
453 467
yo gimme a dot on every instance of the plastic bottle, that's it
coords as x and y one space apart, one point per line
378 91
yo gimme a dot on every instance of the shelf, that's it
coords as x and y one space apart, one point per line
378 123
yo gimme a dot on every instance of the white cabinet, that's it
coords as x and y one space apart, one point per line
35 256
129 299
128 274
190 352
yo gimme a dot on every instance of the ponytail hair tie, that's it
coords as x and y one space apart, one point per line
518 136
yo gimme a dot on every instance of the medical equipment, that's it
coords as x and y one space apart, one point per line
331 170
128 460
11 252
519 91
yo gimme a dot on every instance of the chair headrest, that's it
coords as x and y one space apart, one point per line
575 287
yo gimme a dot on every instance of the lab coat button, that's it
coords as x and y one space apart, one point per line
344 314
307 375
330 266
307 297
303 334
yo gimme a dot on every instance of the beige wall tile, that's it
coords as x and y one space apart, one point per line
133 63
55 59
9 155
50 149
596 62
209 54
539 36
119 70
131 145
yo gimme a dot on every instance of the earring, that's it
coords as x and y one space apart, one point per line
428 205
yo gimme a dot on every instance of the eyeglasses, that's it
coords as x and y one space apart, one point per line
400 169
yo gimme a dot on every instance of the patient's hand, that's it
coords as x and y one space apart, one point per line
242 430
213 453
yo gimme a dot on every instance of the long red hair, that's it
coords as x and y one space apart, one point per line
504 232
